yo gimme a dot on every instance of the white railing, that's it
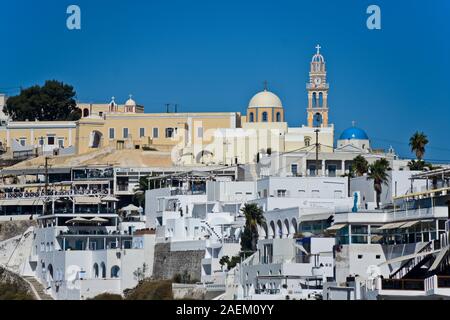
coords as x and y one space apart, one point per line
430 283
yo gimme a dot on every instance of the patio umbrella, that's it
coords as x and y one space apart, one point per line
130 207
98 220
110 199
77 220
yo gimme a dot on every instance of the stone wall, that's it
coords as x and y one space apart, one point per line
169 263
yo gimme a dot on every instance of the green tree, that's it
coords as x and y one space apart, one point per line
224 261
254 217
360 166
378 173
51 102
417 142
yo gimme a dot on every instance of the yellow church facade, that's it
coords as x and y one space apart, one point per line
190 138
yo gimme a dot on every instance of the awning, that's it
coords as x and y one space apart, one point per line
391 226
299 246
22 202
86 200
409 224
336 227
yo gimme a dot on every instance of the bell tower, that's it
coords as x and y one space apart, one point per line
317 89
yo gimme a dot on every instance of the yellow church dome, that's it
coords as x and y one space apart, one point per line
265 99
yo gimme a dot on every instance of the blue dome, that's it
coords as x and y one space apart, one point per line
354 133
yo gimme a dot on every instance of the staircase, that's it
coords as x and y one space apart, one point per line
414 264
212 231
37 288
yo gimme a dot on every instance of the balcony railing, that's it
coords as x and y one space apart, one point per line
403 284
40 194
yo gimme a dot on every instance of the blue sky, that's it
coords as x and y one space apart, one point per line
211 55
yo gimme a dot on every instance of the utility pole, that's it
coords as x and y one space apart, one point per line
317 151
46 185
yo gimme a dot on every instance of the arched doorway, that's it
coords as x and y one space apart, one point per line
85 112
95 139
115 272
103 268
95 270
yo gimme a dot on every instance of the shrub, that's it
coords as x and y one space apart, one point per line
151 290
107 296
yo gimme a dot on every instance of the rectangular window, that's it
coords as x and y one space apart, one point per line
155 133
169 132
61 142
281 193
51 141
294 169
141 132
125 133
200 132
112 133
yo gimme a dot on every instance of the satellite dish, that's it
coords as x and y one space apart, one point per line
373 271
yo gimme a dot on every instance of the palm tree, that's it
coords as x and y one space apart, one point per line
139 190
254 217
360 165
417 142
378 173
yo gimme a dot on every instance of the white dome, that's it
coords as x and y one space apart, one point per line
265 99
130 102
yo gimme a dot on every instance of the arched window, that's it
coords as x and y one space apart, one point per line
115 272
95 270
103 267
252 117
320 100
264 117
318 120
314 100
307 141
278 116
86 112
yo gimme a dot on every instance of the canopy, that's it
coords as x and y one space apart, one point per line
409 224
391 226
86 200
336 227
130 207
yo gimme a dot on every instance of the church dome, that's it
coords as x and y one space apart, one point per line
354 133
265 99
130 102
